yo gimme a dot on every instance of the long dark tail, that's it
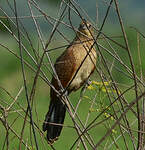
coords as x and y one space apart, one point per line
54 120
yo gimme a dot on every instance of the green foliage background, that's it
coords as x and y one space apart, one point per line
11 80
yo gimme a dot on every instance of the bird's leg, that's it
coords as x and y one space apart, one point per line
86 84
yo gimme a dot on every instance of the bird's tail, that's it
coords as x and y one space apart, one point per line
54 120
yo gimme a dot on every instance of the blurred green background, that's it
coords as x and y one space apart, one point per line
11 73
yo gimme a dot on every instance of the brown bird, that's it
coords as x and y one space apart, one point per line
73 68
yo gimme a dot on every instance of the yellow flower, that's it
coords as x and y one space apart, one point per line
103 89
90 87
114 131
92 110
106 115
100 83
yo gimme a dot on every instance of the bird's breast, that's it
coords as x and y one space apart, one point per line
84 69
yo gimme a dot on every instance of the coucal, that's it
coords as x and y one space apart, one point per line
73 68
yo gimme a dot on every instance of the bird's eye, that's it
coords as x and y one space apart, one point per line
82 26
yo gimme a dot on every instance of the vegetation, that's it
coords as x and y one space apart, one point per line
107 115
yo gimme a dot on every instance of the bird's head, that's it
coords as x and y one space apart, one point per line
85 28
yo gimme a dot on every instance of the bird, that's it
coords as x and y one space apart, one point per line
73 68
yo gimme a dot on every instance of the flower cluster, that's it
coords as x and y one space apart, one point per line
102 88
